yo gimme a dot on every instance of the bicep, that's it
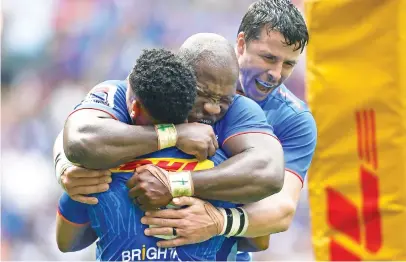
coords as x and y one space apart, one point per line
85 116
266 143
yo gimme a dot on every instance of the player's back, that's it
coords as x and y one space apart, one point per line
116 219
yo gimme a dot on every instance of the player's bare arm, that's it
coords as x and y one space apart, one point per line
255 171
194 224
72 237
95 140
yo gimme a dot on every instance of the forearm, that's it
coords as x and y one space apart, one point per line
71 239
271 215
105 143
246 177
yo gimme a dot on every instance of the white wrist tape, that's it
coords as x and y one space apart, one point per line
223 212
61 164
245 223
235 221
181 184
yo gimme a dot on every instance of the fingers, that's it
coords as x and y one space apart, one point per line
75 171
166 213
135 192
214 140
86 190
202 154
211 149
141 168
186 201
69 183
165 231
132 181
143 204
161 222
90 181
180 241
85 200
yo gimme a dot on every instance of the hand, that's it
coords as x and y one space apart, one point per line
147 191
78 182
193 224
197 139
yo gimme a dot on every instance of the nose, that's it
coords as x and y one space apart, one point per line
212 108
275 74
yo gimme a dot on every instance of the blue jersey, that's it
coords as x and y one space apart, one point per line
295 128
243 116
116 220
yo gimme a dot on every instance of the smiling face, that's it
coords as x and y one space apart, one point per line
265 63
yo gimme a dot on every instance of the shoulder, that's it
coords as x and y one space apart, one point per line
284 99
243 106
284 109
244 102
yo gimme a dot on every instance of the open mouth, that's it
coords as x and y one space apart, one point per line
263 86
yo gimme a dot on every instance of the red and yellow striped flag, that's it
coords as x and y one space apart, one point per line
357 91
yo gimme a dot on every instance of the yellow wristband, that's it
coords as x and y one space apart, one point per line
181 184
167 135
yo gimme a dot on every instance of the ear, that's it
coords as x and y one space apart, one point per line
241 43
135 109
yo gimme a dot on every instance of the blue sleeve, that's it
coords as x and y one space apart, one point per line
219 157
72 210
298 140
243 116
109 97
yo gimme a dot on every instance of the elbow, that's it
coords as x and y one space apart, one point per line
276 177
270 177
75 150
75 144
287 210
79 147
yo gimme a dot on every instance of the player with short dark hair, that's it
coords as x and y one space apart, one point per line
157 74
277 16
164 85
234 119
270 39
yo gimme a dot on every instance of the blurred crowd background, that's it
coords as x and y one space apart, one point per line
52 53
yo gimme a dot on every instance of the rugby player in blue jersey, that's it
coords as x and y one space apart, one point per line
270 39
242 118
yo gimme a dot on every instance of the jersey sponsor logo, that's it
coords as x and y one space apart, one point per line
144 253
169 164
102 94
